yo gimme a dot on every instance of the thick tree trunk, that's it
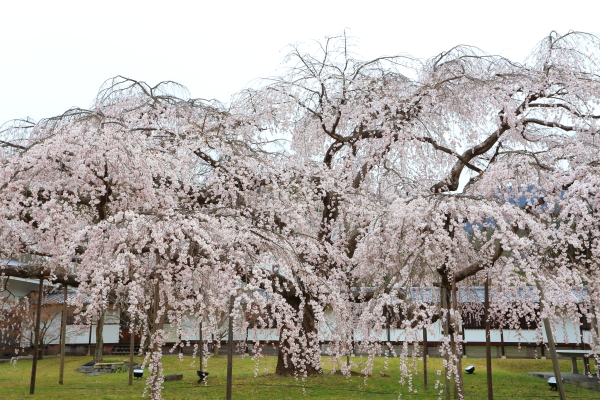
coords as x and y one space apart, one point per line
308 345
99 339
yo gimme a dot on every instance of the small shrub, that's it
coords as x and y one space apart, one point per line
120 368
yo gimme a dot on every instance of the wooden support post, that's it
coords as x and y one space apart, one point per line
425 355
389 339
586 366
36 336
63 336
155 310
595 326
446 307
488 345
131 351
551 345
543 351
502 342
464 336
89 352
559 382
230 351
201 347
348 355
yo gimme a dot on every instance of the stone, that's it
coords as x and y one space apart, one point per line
173 377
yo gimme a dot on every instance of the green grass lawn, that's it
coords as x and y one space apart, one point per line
510 380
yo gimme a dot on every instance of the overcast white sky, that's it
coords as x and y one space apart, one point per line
56 54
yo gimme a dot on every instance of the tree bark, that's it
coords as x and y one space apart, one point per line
308 344
99 338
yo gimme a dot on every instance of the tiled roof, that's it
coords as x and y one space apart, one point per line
58 296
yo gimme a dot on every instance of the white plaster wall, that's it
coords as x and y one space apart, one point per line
19 287
111 335
81 336
263 335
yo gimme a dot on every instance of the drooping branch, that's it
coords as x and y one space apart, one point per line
566 107
548 124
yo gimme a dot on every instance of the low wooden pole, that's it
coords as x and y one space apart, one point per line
351 352
89 352
595 326
63 337
595 329
464 336
425 351
201 348
131 351
37 337
230 351
389 339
